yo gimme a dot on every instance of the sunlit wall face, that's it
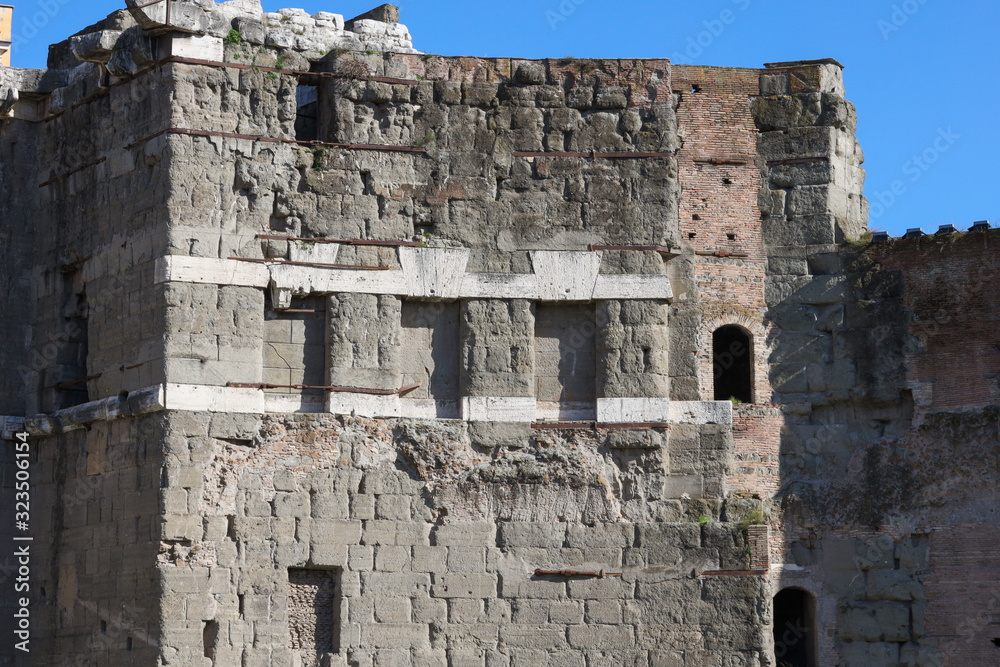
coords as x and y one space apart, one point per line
6 20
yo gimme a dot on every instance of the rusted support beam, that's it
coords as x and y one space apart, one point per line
720 253
329 266
720 161
664 250
614 155
73 383
798 160
596 426
601 574
335 389
358 242
61 177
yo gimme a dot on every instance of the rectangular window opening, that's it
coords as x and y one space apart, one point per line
69 384
429 344
295 351
210 637
307 114
566 362
313 615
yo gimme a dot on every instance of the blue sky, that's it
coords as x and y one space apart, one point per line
923 73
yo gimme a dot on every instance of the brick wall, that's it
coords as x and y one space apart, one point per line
719 181
951 287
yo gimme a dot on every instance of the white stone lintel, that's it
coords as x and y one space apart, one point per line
632 410
425 273
207 270
362 405
701 412
498 409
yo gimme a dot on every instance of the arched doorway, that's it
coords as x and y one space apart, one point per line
732 364
795 628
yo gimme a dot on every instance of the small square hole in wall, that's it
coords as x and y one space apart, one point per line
727 181
691 235
313 615
695 88
731 236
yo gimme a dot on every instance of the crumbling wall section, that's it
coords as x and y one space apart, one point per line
434 545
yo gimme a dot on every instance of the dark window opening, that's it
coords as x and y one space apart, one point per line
307 116
313 614
732 364
996 642
695 88
71 345
566 361
209 637
104 627
794 628
128 644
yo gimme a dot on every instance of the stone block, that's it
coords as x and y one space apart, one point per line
429 559
537 637
610 588
466 559
866 654
404 635
391 609
547 535
395 583
464 586
606 637
515 585
874 621
392 558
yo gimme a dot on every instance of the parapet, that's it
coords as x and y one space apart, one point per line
131 40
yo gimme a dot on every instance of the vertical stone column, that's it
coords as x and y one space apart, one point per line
363 334
498 368
811 159
633 382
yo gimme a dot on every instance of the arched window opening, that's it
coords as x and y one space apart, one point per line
794 628
732 363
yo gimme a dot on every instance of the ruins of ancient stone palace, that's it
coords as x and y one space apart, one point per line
321 351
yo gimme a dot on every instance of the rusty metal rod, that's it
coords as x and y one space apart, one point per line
61 177
597 426
360 242
720 253
798 160
73 383
353 267
649 248
736 162
594 154
576 573
335 389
